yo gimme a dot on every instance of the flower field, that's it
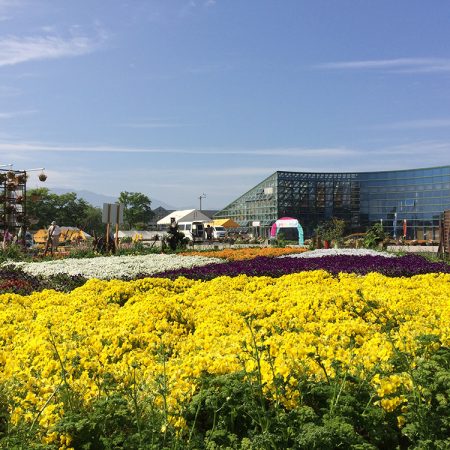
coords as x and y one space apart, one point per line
310 359
232 254
108 267
362 264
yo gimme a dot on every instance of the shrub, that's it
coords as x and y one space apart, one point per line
374 236
12 252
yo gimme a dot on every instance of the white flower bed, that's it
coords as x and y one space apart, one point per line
108 267
339 251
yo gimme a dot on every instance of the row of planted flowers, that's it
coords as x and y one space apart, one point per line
306 360
65 275
238 254
162 265
408 265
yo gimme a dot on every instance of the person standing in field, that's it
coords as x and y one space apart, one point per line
53 233
209 232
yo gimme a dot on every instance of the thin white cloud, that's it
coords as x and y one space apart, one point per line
14 114
275 152
15 50
399 65
201 172
422 149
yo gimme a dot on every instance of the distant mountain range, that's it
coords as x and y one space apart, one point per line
98 199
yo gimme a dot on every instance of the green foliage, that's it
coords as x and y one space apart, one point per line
280 240
138 249
65 209
109 424
427 418
12 252
91 221
374 236
137 209
332 230
82 252
63 282
236 412
175 241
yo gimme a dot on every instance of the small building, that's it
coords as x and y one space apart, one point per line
186 215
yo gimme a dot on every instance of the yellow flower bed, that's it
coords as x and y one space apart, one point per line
238 254
294 326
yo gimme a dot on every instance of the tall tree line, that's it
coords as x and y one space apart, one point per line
67 209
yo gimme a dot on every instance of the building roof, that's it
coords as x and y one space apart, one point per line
186 215
226 223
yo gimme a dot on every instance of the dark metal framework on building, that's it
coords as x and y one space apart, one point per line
13 194
417 196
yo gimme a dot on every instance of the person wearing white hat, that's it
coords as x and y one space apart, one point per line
53 233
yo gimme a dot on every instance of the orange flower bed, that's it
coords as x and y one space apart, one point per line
238 254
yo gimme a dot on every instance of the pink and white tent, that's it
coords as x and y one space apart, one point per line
287 222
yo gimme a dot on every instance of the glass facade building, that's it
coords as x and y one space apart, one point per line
415 197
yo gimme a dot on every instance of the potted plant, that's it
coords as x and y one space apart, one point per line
22 178
42 177
331 231
9 209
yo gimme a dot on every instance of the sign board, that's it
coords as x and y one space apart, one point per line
291 223
112 213
256 224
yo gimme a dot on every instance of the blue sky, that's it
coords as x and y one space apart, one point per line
175 98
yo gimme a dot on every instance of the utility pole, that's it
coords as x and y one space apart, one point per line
200 198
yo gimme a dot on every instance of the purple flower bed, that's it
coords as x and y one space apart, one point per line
405 266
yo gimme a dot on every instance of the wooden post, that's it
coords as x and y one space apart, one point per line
107 226
107 235
117 234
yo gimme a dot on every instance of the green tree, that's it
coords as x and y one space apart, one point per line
92 220
331 230
67 210
137 209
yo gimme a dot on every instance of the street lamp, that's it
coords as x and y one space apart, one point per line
200 198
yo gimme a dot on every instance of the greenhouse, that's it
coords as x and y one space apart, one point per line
406 202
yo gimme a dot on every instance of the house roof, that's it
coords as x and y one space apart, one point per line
186 215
